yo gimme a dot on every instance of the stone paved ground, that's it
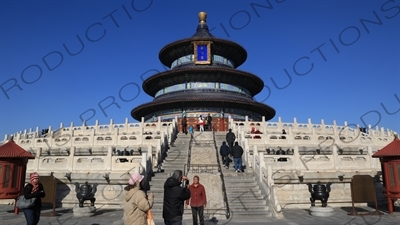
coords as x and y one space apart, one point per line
291 217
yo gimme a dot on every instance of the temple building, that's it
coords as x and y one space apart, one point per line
203 79
280 158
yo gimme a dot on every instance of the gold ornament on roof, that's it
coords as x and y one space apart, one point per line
202 17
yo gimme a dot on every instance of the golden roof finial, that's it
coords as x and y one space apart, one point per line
202 17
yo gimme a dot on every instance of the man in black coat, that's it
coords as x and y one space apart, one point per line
237 153
230 138
174 198
184 125
224 151
209 122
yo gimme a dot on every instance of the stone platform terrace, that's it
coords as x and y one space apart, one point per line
314 152
291 217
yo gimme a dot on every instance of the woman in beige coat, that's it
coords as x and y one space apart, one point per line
136 203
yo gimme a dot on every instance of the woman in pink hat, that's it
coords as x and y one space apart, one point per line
136 203
34 189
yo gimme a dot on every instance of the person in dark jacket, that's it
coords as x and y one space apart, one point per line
184 125
209 122
224 151
174 198
237 153
230 138
34 189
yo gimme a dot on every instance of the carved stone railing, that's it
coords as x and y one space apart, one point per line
309 129
263 175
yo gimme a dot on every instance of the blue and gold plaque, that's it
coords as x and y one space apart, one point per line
202 52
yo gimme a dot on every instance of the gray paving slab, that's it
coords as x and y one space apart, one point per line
291 217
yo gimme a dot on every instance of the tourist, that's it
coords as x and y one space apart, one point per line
191 130
197 201
237 153
201 123
224 151
281 152
174 198
34 189
209 122
283 136
136 204
253 130
184 125
230 138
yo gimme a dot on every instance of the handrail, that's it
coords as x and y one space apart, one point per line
186 167
210 90
228 211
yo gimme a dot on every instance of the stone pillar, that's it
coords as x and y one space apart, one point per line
108 163
296 158
261 161
253 158
264 126
246 151
334 128
144 158
36 161
336 160
280 124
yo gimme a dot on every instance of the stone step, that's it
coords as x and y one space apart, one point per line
174 159
232 169
159 180
240 183
170 170
248 208
244 196
218 214
243 193
251 213
240 204
178 150
241 189
172 166
157 206
177 162
159 189
234 174
238 176
176 155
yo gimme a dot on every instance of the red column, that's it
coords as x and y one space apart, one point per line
221 124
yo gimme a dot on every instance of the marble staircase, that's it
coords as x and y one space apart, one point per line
244 197
176 159
244 194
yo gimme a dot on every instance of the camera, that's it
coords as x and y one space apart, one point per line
184 183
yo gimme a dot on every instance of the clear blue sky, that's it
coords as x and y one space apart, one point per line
343 57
